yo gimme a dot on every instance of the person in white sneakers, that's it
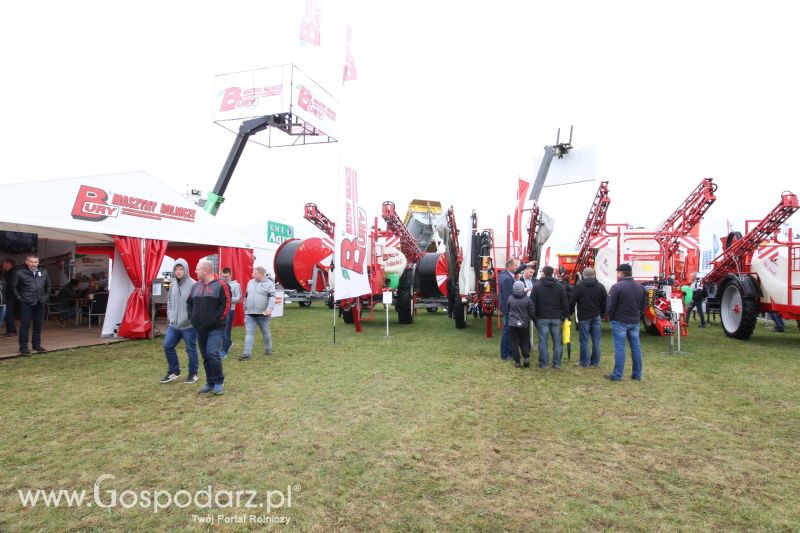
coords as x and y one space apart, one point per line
259 300
179 325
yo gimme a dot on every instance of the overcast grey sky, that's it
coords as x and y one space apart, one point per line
458 99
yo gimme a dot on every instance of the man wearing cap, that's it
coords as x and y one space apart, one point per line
625 309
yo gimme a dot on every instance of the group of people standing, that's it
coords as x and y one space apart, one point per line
549 302
201 314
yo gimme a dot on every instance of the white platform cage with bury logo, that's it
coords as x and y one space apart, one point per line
301 112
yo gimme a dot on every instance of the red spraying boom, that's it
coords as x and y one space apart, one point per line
315 216
594 225
737 256
408 245
680 224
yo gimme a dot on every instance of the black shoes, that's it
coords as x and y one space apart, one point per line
39 349
24 351
527 363
609 377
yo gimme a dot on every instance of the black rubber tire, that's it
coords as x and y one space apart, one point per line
405 297
732 237
460 314
431 309
304 304
347 316
737 325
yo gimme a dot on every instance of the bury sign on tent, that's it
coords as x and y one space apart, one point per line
133 212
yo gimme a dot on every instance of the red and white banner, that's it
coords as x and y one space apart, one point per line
351 252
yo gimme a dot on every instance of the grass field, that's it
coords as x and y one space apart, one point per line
424 431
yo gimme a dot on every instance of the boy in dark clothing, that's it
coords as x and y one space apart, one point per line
520 312
550 302
589 297
208 306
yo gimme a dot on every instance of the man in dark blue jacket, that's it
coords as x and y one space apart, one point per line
208 306
550 302
590 298
625 309
505 282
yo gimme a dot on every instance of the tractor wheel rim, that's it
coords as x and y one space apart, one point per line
731 308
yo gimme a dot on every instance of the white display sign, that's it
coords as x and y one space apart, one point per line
677 305
277 310
387 297
252 93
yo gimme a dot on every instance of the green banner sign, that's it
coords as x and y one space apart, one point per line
277 232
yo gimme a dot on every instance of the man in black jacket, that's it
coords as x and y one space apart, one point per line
590 298
207 308
550 303
625 309
31 287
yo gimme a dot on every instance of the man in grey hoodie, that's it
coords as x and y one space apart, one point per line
179 325
259 300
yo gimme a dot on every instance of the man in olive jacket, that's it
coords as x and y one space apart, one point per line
31 288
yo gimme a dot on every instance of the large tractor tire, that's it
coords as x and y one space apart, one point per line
405 298
304 304
738 311
460 314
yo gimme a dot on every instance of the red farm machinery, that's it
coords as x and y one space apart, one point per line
758 272
662 260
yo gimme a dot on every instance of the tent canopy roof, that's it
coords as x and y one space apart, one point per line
91 209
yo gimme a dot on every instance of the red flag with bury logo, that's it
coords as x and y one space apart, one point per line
522 191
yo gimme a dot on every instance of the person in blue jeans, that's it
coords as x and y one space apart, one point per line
505 286
236 297
259 301
625 309
208 307
550 303
589 298
180 327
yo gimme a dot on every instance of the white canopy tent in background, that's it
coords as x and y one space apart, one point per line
91 210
